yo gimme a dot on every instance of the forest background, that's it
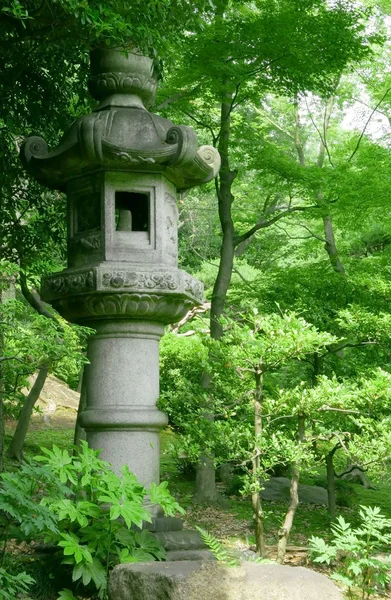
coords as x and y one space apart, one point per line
286 368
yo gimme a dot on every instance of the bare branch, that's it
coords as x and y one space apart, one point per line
34 300
367 123
262 223
6 358
318 237
276 125
339 410
197 310
346 344
301 237
298 144
172 99
234 98
204 126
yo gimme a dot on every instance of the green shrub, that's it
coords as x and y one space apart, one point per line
355 552
77 504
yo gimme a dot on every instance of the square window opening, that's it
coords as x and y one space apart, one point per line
131 211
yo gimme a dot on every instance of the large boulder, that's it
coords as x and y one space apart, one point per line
55 395
196 580
278 488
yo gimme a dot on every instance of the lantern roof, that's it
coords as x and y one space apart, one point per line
121 134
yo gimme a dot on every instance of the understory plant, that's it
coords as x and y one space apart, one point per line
79 505
356 553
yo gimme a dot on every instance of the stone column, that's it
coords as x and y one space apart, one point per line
122 390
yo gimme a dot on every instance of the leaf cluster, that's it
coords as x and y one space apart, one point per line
78 504
355 550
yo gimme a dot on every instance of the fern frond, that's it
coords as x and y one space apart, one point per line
217 549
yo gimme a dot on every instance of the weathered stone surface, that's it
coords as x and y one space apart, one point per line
180 540
359 477
55 393
122 389
164 524
121 133
277 488
199 555
191 580
7 288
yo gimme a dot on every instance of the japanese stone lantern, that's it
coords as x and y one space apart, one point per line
121 168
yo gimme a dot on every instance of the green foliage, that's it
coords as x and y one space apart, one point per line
103 23
14 586
358 550
29 341
219 552
78 504
66 595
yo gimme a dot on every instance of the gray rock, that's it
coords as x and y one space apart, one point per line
199 555
54 394
180 540
194 580
164 524
277 488
359 477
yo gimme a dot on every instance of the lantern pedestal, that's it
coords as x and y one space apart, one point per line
121 416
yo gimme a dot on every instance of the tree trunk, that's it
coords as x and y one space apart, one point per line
80 433
332 502
205 487
2 423
330 245
256 497
15 449
7 292
2 427
225 200
205 484
285 530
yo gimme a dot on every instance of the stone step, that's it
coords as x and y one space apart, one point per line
164 524
175 555
180 540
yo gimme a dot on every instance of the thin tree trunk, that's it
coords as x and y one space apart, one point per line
2 423
330 245
15 449
80 433
7 292
285 530
257 497
297 138
332 502
2 426
205 486
225 200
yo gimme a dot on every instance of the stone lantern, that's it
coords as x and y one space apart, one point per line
121 168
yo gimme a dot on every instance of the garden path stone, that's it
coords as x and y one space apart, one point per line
196 580
277 488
